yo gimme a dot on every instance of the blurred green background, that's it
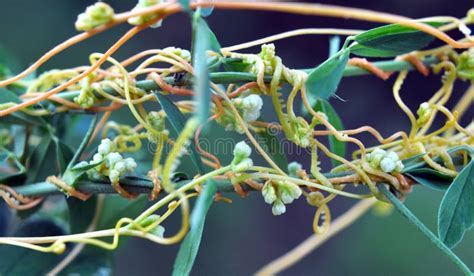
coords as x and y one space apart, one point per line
241 237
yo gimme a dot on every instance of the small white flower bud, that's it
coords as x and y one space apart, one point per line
241 151
104 148
243 165
387 165
130 164
114 176
278 208
294 167
251 106
424 113
269 193
120 166
393 155
399 166
113 158
97 158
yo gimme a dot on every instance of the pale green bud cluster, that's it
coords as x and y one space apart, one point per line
95 15
248 106
301 132
268 56
5 138
86 98
294 167
386 161
157 122
241 161
183 53
279 193
465 66
51 78
142 19
112 164
424 113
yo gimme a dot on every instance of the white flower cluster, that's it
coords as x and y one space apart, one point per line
241 161
141 19
386 161
424 113
95 15
248 106
115 166
280 193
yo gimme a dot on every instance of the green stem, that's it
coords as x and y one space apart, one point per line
432 237
133 184
239 77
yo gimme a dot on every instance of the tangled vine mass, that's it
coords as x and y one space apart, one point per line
176 94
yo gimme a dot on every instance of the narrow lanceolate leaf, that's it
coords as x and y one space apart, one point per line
430 178
335 145
391 40
177 121
432 237
85 141
203 40
202 93
456 212
189 247
323 81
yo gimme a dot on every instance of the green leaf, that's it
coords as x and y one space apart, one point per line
336 146
323 81
432 237
20 142
81 213
391 40
22 261
177 121
73 173
84 143
430 178
15 178
16 117
189 247
334 43
64 154
413 162
42 161
203 40
456 212
272 145
201 82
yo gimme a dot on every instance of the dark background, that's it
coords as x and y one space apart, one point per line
241 237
